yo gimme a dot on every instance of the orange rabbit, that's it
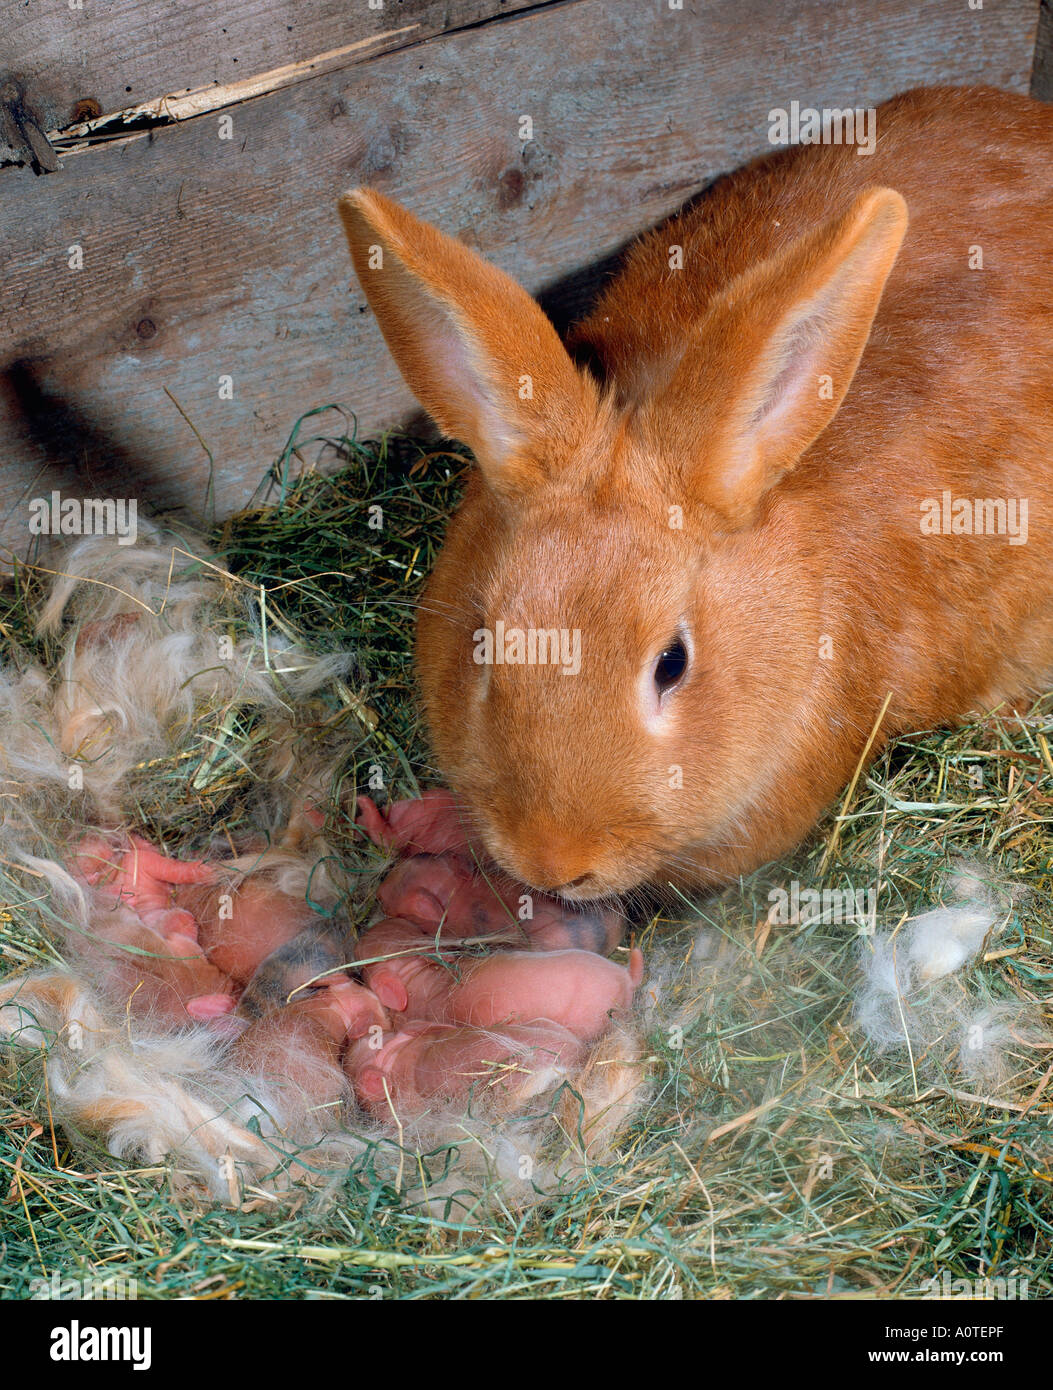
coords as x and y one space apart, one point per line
752 529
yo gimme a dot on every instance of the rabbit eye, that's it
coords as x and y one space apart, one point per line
670 666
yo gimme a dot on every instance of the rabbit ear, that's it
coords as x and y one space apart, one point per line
796 325
475 349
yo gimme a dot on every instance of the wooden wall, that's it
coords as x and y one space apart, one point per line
206 257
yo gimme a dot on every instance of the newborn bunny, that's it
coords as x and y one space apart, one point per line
203 943
576 988
446 887
682 602
144 951
241 924
182 943
425 1063
298 1046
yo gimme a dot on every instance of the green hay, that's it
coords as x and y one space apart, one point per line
782 1155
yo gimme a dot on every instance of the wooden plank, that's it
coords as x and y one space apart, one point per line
206 258
102 58
1042 74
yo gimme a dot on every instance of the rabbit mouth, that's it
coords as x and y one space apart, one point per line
586 889
595 887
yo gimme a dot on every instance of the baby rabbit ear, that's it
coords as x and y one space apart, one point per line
475 349
789 332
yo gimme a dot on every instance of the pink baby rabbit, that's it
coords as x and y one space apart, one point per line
425 1063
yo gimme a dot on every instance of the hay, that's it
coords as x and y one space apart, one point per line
784 1153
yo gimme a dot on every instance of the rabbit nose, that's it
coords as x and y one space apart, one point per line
565 887
556 868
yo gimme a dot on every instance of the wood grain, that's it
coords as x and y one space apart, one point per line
1042 73
206 258
113 55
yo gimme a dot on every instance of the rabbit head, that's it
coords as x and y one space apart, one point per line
609 646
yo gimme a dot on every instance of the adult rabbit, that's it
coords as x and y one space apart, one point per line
757 512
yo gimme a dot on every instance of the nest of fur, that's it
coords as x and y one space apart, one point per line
200 689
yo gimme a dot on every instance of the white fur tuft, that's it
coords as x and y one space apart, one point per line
913 995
